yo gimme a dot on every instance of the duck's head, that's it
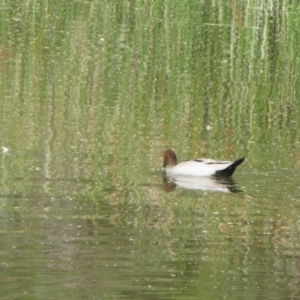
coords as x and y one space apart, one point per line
170 159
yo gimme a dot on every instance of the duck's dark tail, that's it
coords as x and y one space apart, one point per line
230 169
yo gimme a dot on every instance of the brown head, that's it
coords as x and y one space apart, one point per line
170 159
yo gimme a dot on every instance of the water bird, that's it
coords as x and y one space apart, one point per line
199 166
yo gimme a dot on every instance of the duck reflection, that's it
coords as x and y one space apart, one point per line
217 184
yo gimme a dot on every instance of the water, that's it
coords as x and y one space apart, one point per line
141 242
92 94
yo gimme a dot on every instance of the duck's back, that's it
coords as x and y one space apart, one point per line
199 167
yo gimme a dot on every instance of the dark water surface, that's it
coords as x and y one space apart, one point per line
142 242
92 93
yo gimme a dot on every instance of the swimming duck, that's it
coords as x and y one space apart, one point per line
199 167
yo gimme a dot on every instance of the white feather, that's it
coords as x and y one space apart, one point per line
199 167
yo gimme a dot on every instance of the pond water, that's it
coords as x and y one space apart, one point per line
92 93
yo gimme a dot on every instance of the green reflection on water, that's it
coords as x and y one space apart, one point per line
92 93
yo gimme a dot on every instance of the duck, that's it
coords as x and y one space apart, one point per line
199 167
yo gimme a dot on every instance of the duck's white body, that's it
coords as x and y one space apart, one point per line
199 167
